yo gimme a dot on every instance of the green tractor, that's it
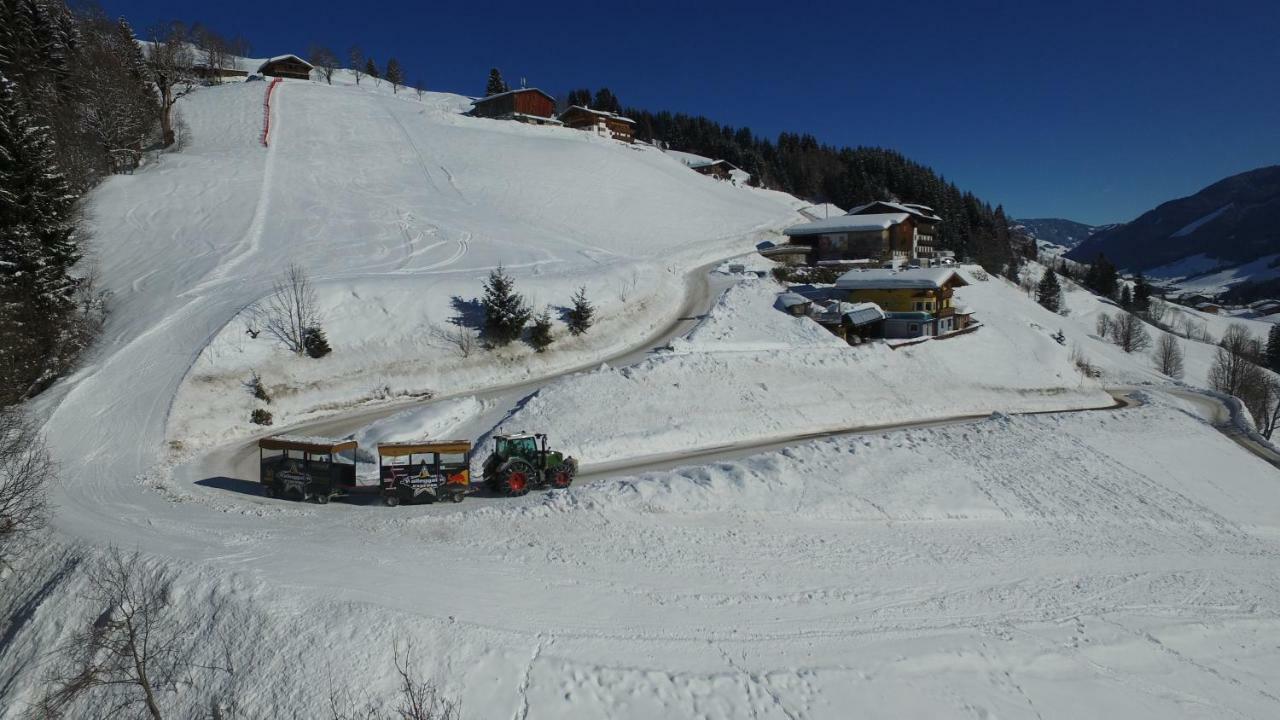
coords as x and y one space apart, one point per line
522 461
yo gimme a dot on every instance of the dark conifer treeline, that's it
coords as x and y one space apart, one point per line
848 177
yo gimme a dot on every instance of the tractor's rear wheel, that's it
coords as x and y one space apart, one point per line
561 476
515 479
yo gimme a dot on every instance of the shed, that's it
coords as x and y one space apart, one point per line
793 304
529 105
286 66
1209 307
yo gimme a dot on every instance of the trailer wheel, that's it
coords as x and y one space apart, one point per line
323 498
391 500
456 497
268 491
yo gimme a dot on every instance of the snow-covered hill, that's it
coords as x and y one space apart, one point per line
1116 563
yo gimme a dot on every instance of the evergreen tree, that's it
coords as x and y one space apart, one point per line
371 68
505 312
1273 349
580 97
37 249
496 84
1126 298
540 333
605 100
1141 294
395 74
314 342
582 314
1049 292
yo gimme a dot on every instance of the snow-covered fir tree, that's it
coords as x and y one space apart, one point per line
582 314
37 249
505 311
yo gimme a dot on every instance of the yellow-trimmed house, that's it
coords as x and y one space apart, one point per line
916 303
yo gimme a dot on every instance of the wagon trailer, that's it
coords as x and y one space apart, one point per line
424 471
296 467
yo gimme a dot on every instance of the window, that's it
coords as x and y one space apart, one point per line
913 328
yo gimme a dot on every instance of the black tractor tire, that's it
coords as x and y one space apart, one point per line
514 479
391 500
561 476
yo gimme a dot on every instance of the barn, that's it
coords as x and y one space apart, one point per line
286 66
529 105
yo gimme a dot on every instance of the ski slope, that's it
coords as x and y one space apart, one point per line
1111 563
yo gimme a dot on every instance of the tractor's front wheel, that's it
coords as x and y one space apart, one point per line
515 479
561 476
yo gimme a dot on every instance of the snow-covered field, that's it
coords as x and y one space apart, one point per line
752 373
1115 563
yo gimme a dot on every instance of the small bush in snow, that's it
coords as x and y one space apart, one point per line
260 417
1103 325
1168 356
582 314
540 334
256 388
1129 333
315 342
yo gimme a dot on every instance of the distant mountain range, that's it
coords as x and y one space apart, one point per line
1057 231
1231 223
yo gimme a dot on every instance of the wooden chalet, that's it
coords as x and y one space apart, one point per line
529 105
718 169
879 238
286 66
924 222
916 303
606 124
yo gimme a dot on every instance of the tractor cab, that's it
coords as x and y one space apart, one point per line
306 468
526 445
424 471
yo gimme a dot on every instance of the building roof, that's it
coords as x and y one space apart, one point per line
279 58
1203 305
306 443
847 223
864 314
488 98
598 113
920 278
789 299
786 249
911 208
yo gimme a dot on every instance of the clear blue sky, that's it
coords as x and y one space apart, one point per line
1091 111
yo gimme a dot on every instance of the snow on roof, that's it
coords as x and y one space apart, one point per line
790 299
487 98
847 223
601 113
278 58
1203 305
911 208
923 278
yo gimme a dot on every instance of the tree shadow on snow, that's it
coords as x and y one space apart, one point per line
467 312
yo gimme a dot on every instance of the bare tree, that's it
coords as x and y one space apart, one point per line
1128 332
1103 325
136 650
325 60
1168 356
25 472
214 50
416 698
356 57
1263 403
290 310
172 68
457 337
624 289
